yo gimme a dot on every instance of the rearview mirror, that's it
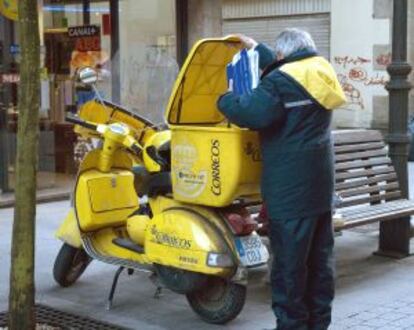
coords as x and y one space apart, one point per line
88 76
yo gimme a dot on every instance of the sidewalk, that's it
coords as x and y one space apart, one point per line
372 292
51 187
43 196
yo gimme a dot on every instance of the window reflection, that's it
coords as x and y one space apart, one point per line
146 62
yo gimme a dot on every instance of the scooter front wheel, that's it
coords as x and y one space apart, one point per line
219 301
69 265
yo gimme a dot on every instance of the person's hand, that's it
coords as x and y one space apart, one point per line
247 41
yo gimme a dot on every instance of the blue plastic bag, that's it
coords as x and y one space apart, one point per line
243 72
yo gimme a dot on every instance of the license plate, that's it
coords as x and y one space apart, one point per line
251 250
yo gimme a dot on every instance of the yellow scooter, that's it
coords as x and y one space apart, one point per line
170 202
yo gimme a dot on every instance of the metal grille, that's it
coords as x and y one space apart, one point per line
232 9
63 320
266 29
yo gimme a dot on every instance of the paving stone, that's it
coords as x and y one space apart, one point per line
364 316
380 310
406 300
408 310
395 304
376 322
349 322
391 316
404 322
339 326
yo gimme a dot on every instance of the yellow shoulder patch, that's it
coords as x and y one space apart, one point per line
318 78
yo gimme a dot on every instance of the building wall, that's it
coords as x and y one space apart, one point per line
204 20
360 44
147 55
360 51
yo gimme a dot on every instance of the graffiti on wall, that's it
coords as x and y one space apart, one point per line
344 61
353 74
357 74
383 59
376 80
360 75
352 93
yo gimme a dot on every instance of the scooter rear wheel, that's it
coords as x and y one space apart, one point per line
69 265
219 301
179 280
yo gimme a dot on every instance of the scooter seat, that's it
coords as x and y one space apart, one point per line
164 151
151 184
161 155
159 184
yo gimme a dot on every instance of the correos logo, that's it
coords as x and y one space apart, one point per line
189 181
215 167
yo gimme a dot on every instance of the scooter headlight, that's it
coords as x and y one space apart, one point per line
219 260
119 129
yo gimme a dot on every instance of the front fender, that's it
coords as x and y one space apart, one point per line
69 232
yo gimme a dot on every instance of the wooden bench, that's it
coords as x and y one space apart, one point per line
365 181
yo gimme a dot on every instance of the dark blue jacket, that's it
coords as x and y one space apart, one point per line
291 109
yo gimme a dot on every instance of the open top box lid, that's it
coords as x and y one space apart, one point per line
201 81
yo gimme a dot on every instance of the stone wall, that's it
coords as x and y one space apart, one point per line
204 20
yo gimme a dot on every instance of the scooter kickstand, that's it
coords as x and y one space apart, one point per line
158 292
113 287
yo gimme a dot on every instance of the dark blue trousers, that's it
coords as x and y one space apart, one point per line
302 276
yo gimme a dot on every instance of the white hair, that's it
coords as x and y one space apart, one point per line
293 40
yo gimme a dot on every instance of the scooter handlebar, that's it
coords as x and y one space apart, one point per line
136 148
76 120
128 141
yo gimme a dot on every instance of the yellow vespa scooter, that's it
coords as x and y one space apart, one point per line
170 202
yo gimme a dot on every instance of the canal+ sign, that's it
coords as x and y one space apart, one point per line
87 37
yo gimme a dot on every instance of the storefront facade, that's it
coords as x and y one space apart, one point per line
139 49
132 43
